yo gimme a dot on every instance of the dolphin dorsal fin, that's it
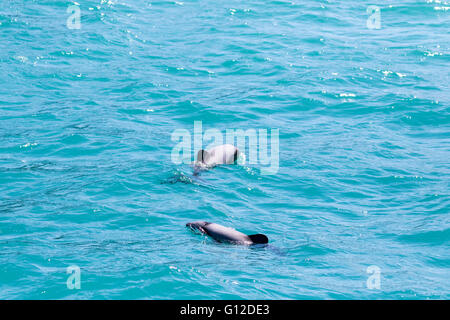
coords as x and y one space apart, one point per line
259 238
203 156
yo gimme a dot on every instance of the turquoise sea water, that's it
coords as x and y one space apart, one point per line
86 176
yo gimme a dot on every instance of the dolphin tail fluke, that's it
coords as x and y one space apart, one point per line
259 238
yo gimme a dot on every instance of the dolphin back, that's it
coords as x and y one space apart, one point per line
225 234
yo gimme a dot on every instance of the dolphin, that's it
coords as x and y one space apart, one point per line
223 154
225 234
